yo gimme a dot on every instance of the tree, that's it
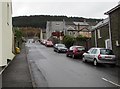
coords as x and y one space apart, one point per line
81 38
18 37
18 34
68 40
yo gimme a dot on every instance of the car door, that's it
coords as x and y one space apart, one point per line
92 54
87 54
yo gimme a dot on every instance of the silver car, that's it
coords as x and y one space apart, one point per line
60 48
99 55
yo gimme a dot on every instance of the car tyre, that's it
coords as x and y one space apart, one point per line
95 62
73 56
67 55
83 59
58 51
113 65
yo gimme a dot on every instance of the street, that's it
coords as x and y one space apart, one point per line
51 69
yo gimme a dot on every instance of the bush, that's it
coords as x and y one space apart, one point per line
68 40
18 34
18 37
81 38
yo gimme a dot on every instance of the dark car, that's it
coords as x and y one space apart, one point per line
75 51
60 48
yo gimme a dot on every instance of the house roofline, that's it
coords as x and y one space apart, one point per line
101 25
113 9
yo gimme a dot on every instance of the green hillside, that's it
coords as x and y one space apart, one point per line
40 20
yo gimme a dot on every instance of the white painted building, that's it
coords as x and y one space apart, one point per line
6 34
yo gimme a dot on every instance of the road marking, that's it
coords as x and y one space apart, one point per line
111 82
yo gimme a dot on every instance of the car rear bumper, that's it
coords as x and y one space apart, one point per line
49 45
78 55
107 61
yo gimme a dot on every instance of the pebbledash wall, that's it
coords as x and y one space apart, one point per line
6 34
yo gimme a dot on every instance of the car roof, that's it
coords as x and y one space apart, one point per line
77 46
60 43
98 48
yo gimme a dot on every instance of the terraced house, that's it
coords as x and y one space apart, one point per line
6 34
101 35
107 32
114 26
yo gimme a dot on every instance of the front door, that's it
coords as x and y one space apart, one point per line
107 44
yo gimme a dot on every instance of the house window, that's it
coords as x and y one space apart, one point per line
99 35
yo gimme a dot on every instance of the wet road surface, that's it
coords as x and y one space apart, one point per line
51 69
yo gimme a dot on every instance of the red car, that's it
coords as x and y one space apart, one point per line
75 51
43 41
49 44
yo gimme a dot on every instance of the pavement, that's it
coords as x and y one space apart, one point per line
17 74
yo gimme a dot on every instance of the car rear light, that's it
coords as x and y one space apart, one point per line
99 56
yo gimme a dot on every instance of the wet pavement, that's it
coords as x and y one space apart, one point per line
17 73
51 69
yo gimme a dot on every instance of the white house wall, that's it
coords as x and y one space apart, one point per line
0 33
6 33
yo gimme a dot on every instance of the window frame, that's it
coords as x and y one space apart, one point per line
99 34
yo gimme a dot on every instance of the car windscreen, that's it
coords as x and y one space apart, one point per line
106 52
60 45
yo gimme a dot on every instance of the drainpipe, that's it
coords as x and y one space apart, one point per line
95 39
110 34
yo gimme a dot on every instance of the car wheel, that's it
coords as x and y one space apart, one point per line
83 59
113 65
73 56
58 51
95 62
67 55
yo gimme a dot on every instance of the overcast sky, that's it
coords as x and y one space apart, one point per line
77 8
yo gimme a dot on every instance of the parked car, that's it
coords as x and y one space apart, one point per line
75 51
48 44
99 55
43 41
60 48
